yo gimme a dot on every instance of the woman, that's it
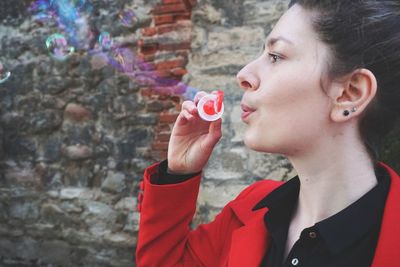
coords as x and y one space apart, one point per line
323 93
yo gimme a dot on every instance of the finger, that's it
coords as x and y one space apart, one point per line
183 118
190 107
198 96
215 131
216 128
187 115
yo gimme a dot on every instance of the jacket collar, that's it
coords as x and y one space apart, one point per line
250 242
386 253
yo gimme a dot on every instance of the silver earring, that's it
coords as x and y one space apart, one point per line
354 109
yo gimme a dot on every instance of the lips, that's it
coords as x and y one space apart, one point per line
246 111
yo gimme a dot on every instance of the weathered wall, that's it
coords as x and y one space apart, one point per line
76 135
75 138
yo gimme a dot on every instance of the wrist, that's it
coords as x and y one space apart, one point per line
169 171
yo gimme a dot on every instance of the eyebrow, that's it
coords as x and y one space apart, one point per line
271 41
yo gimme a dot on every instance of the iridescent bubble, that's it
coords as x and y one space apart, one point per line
43 17
58 47
128 18
4 75
39 6
105 40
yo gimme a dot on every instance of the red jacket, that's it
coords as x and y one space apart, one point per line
238 236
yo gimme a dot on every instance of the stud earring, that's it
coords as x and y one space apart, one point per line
347 113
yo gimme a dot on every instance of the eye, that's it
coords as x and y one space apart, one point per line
274 58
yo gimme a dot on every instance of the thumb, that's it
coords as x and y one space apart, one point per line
215 131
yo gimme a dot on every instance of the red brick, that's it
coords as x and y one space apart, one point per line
171 1
163 137
183 16
147 58
149 49
149 31
179 72
163 19
162 73
168 117
171 18
167 28
147 92
163 127
160 145
171 64
167 9
191 3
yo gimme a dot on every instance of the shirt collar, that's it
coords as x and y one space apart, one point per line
339 230
353 222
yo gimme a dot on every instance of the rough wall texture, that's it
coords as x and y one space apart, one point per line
76 135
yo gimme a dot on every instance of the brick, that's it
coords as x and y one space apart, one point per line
163 137
163 73
179 72
149 49
169 8
149 31
159 146
146 92
171 1
171 18
163 19
163 127
167 28
168 117
171 64
192 3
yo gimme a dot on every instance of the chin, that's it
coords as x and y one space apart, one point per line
256 143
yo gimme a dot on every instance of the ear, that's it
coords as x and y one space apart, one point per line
355 91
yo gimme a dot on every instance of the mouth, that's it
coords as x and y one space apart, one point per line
246 112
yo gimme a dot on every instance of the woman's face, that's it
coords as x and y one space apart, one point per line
289 111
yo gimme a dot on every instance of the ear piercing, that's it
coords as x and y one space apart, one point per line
347 113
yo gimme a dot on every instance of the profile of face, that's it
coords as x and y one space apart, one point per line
289 110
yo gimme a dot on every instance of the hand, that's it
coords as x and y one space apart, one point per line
192 139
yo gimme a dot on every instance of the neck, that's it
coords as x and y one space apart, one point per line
332 176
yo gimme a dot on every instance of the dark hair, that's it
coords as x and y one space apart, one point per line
364 34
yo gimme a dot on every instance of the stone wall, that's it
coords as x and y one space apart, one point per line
77 135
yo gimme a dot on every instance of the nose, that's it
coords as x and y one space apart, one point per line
247 79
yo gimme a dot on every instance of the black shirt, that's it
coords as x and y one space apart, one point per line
346 239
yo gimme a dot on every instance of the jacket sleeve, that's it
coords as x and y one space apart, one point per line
165 238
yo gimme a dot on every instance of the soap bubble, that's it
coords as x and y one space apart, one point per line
4 75
43 17
128 18
105 40
58 47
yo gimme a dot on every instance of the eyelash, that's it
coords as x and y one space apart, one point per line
274 57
